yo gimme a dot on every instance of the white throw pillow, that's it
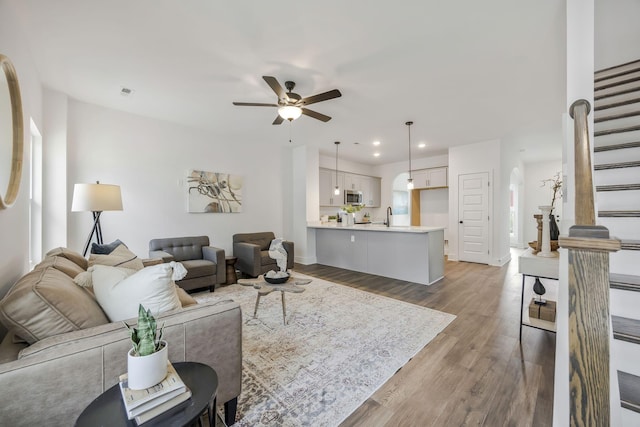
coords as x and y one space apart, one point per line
119 294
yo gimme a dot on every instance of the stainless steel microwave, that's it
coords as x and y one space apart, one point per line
352 197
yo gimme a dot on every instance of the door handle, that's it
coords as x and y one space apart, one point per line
461 222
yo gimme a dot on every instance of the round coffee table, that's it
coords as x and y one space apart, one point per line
264 288
201 379
232 277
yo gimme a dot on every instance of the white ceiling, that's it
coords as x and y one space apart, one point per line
463 71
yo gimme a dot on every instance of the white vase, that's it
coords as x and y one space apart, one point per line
545 250
147 371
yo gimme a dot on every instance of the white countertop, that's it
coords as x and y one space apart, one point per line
373 227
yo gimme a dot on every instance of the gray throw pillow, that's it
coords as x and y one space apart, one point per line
107 248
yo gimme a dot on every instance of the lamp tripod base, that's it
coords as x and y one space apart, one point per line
97 230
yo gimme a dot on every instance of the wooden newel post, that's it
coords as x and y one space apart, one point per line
588 248
585 210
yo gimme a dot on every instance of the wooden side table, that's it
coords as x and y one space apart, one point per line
230 262
201 379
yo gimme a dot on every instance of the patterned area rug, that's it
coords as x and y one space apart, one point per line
339 346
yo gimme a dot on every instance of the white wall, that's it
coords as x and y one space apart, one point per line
306 184
475 158
344 165
14 222
54 170
617 32
149 158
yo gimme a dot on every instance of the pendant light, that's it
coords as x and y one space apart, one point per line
410 180
336 191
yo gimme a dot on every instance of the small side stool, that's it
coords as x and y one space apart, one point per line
230 262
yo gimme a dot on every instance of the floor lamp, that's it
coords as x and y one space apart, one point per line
96 198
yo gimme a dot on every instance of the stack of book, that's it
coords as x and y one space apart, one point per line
144 405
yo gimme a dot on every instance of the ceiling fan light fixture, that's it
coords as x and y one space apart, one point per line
290 112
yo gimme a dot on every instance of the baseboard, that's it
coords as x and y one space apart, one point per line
501 261
305 260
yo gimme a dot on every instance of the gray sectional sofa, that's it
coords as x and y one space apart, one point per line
68 353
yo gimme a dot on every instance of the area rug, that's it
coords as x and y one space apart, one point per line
338 347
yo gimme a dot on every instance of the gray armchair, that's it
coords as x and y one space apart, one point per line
252 251
205 264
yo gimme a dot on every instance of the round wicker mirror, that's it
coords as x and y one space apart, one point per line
11 134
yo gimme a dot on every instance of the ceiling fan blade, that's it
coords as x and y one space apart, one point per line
278 120
254 104
315 115
321 97
276 87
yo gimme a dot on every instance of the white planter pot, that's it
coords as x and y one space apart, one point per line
147 371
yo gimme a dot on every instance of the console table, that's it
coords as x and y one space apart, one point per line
532 265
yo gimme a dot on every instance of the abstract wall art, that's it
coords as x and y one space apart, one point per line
213 192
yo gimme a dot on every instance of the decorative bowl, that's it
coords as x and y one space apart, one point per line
276 280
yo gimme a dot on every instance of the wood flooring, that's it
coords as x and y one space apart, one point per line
475 372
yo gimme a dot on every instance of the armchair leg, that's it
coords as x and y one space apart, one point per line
230 408
212 288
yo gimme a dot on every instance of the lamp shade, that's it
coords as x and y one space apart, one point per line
96 198
290 112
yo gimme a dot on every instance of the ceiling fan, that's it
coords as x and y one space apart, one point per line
291 105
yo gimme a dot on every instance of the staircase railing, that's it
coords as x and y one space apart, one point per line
588 248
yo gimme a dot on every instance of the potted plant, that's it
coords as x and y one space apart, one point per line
351 212
147 360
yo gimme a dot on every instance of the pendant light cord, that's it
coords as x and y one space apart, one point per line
409 126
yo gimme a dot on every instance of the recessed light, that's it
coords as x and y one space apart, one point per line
422 145
376 154
376 143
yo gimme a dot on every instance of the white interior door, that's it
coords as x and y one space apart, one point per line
473 217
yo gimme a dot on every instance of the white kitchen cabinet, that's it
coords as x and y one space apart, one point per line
437 177
373 198
356 182
430 178
368 185
419 178
327 186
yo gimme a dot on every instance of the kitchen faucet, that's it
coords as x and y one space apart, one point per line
389 212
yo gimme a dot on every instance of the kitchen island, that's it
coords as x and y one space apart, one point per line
414 254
